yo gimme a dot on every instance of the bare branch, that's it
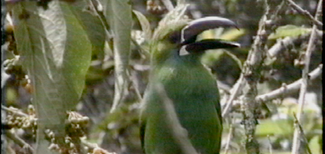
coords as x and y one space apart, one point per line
296 122
95 148
303 89
270 144
27 148
286 42
136 84
230 135
251 73
234 93
288 89
305 13
14 111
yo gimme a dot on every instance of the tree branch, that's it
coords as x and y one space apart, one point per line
296 122
27 148
234 93
288 41
288 89
251 73
303 89
305 13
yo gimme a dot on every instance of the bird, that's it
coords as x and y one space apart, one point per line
191 88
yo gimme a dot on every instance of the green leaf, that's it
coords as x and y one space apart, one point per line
289 31
92 25
232 34
145 25
282 127
315 145
121 23
55 53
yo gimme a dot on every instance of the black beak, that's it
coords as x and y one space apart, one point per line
194 28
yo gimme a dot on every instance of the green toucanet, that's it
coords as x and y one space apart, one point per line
187 83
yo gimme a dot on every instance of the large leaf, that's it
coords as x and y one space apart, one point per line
121 23
55 53
289 31
92 25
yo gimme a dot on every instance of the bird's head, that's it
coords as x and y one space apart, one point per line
175 32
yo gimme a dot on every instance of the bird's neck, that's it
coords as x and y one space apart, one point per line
192 58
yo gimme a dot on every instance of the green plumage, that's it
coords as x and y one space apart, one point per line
194 94
188 84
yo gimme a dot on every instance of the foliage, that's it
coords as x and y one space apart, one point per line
67 62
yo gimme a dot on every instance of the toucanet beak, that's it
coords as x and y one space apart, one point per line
194 28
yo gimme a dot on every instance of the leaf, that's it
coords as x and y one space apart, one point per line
315 145
121 23
55 53
289 31
175 15
145 25
282 127
232 34
92 25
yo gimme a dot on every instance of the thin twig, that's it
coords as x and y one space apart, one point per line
270 147
302 132
234 93
95 148
288 89
173 122
304 12
303 89
14 111
27 148
135 82
230 135
285 43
